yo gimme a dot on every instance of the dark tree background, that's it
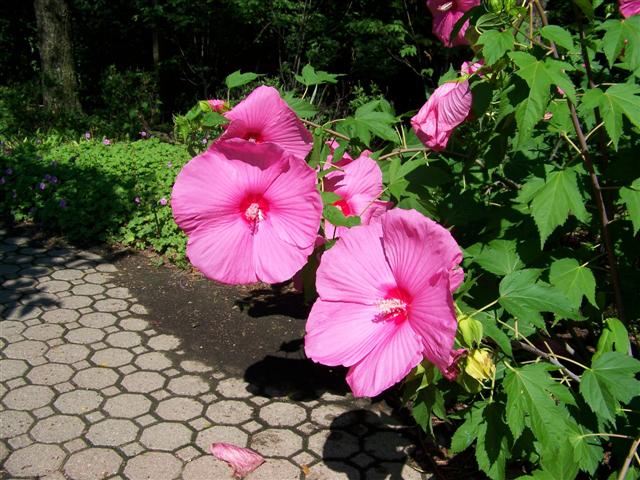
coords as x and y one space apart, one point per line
118 60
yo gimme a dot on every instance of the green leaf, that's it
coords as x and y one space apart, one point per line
493 331
213 119
587 451
494 442
552 204
587 8
329 198
524 296
619 35
618 99
630 196
468 431
303 108
237 79
335 216
533 393
609 381
495 45
614 337
574 280
556 70
557 460
559 36
310 76
499 257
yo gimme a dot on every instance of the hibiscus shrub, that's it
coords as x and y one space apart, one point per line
485 256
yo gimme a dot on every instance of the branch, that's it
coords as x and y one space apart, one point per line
551 358
328 130
627 461
597 192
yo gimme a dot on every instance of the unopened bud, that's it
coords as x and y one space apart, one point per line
471 331
480 365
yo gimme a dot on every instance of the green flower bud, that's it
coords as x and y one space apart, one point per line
471 331
480 365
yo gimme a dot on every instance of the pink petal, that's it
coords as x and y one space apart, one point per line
453 370
361 177
355 270
341 333
444 21
264 117
391 361
629 8
242 460
433 318
418 249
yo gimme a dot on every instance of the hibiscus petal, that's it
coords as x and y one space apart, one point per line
433 318
391 361
341 333
361 177
242 460
355 269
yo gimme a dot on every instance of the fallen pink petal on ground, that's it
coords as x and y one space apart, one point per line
242 460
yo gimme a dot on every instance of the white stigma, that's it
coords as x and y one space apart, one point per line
392 309
253 213
445 7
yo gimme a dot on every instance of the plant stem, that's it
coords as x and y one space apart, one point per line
550 358
597 192
616 435
627 461
400 151
328 130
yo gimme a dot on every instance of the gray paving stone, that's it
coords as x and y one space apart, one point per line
26 349
134 324
143 382
68 274
20 441
207 467
75 445
112 357
14 423
138 309
153 466
50 374
85 335
67 353
87 289
36 460
106 267
333 444
221 434
166 436
327 415
10 368
180 408
187 454
189 385
28 397
97 278
43 412
111 305
54 286
389 470
98 320
282 414
60 315
153 361
95 378
234 388
75 302
43 332
92 464
112 432
194 366
57 429
133 449
386 445
276 442
332 471
124 339
118 292
276 468
11 328
164 342
127 405
21 312
229 412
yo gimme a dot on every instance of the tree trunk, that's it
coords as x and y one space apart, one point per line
60 88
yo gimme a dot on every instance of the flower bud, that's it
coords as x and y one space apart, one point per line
497 6
471 331
480 365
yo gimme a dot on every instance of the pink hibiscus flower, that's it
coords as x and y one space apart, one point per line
385 301
263 117
242 460
629 8
447 107
217 105
251 212
446 14
345 160
359 183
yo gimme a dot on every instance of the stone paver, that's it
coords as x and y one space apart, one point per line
91 387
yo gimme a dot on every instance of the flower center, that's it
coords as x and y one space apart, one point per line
445 7
254 211
253 137
344 207
394 307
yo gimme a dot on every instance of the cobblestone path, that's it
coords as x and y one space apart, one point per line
90 390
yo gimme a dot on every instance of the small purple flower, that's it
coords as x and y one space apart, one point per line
8 171
106 141
143 134
169 164
62 203
2 181
163 201
42 185
53 179
87 135
136 200
47 177
205 140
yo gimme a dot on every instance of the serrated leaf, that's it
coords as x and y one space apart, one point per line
213 119
329 198
552 204
617 100
301 107
530 393
614 337
494 332
499 257
630 196
558 462
495 45
609 381
468 431
494 442
525 297
587 451
559 36
574 280
586 7
237 79
619 35
556 70
310 76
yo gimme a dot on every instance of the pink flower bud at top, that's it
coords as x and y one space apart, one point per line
163 201
547 116
106 141
218 105
87 135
